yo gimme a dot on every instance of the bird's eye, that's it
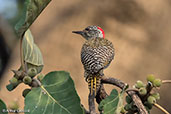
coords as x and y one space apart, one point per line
87 29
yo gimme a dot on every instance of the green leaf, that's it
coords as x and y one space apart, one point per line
32 54
113 103
57 95
32 9
121 101
3 108
10 87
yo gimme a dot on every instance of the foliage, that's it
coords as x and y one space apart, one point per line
148 97
32 58
57 94
113 103
3 108
32 9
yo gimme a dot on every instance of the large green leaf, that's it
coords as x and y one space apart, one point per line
3 109
32 9
113 103
32 54
57 95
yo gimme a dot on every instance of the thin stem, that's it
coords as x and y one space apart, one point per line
132 89
21 54
161 108
166 81
37 81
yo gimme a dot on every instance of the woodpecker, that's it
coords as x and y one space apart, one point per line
96 54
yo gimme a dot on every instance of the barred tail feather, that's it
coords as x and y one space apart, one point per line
93 83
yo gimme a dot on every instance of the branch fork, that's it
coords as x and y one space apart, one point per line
101 94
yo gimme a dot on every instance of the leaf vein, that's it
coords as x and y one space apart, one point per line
50 85
66 99
110 110
55 100
53 107
46 105
112 100
37 102
61 91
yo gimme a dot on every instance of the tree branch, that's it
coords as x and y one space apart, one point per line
91 103
101 94
138 102
113 81
86 111
133 94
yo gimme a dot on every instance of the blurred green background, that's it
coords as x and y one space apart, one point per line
140 31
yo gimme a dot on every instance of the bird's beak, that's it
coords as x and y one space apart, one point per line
78 32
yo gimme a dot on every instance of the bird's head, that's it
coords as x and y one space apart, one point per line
91 32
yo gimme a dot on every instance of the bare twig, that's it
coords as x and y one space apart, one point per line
134 96
113 81
35 83
166 81
132 89
161 108
101 94
91 103
86 111
138 102
149 87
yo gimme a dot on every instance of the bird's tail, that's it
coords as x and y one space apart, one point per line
94 84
